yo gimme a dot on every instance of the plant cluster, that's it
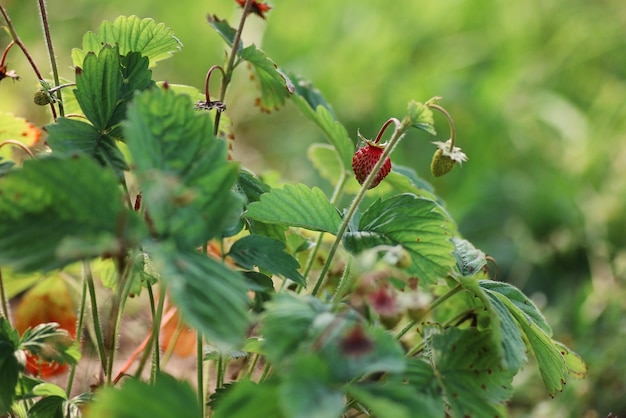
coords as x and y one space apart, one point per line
380 308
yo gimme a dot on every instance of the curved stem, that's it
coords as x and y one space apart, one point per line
53 61
384 128
19 43
6 51
19 145
450 122
208 78
395 139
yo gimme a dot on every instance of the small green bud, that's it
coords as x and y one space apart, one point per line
441 164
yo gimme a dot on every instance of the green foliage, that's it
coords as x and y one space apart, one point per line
152 40
56 211
296 205
148 184
417 224
167 397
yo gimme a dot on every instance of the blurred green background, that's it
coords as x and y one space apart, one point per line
538 93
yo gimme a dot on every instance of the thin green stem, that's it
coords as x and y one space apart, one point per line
456 289
253 364
53 61
227 72
3 299
337 193
266 372
88 277
345 282
148 348
450 122
19 43
79 335
200 373
393 141
156 326
220 371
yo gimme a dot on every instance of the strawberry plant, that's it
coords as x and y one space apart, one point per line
301 305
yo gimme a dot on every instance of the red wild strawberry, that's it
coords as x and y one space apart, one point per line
258 8
364 161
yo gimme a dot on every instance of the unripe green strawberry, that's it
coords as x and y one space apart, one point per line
364 160
42 98
445 158
441 164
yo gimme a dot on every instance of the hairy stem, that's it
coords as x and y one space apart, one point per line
53 62
79 335
88 277
450 122
393 141
3 299
19 43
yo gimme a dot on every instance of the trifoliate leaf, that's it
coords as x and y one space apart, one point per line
415 223
52 203
469 372
268 254
51 343
211 297
275 86
136 399
182 168
296 205
131 34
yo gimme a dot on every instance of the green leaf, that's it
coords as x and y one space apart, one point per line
69 137
469 259
245 399
52 204
182 168
505 331
421 117
211 297
49 389
136 399
395 400
512 296
8 364
285 323
268 254
296 205
48 407
275 86
51 343
417 224
226 31
468 370
334 131
99 85
130 34
555 361
307 391
325 159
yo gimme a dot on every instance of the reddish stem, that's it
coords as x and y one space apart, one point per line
384 127
6 51
208 78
